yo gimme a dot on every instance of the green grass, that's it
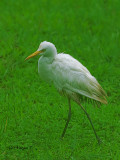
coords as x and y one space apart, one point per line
32 113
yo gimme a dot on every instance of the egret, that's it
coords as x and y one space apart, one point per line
70 78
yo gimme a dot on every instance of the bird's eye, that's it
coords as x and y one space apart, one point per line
43 50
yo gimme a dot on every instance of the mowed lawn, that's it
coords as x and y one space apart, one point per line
32 113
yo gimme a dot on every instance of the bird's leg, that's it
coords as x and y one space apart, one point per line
69 117
98 139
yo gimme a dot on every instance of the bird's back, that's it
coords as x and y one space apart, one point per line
72 78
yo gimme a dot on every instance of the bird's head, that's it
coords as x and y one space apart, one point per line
45 49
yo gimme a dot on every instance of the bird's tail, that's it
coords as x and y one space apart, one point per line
97 92
93 91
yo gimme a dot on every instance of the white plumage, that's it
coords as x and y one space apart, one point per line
67 74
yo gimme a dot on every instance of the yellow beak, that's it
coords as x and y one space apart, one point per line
34 54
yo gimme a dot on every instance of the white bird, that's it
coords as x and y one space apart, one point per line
69 76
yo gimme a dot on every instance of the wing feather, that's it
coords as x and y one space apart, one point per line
71 76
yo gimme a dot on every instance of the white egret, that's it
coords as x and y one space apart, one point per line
69 76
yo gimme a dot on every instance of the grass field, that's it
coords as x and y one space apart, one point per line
32 113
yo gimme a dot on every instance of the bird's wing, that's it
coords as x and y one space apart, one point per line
69 74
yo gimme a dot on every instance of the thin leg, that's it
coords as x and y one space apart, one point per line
69 117
99 141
